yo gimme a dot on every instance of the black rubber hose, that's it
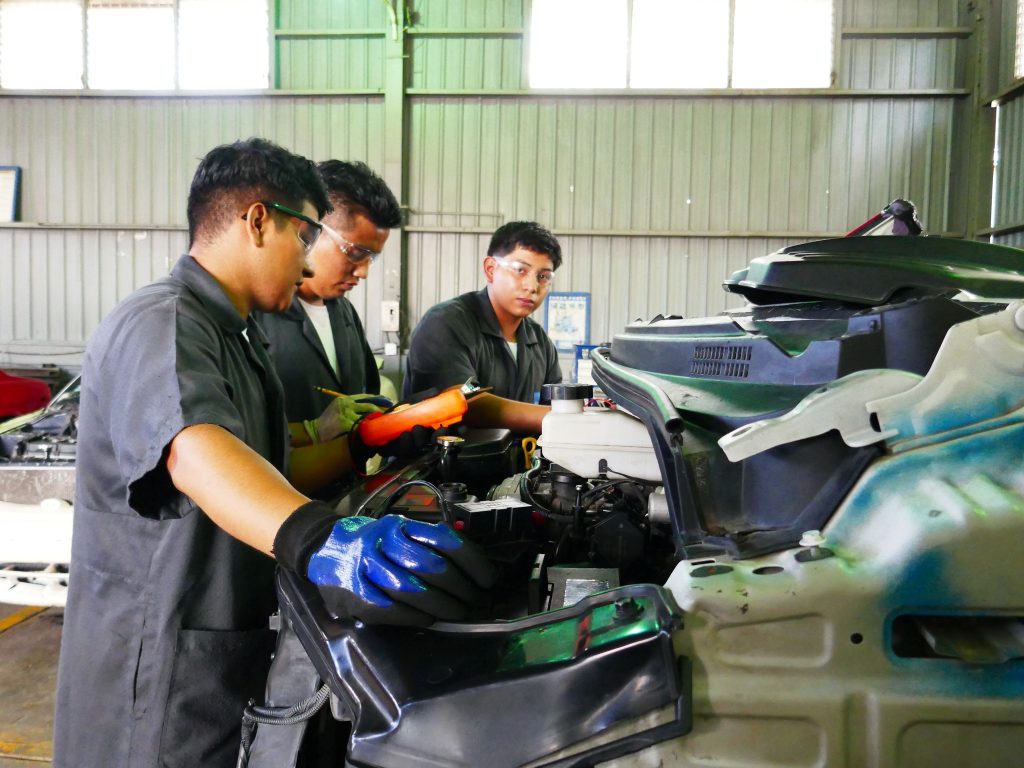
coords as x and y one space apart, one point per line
524 490
393 497
296 713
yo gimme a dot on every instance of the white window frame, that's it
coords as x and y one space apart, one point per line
87 86
1018 48
830 40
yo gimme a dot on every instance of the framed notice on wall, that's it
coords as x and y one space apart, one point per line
10 193
567 319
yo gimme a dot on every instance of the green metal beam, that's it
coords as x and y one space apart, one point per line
510 32
326 34
396 145
702 93
905 33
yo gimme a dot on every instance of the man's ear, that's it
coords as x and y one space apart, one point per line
257 219
489 266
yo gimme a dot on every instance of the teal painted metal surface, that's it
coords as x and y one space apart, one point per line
571 638
938 493
902 616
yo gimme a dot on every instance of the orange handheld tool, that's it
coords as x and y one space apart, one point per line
438 411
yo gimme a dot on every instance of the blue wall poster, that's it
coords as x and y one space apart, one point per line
10 193
567 319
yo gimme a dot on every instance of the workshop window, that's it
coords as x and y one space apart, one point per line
41 44
681 44
1018 54
156 45
223 44
130 46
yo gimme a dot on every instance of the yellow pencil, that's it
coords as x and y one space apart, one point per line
330 392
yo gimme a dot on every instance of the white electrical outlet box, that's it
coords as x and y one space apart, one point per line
390 348
389 316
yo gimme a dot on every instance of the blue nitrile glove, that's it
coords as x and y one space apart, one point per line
342 414
387 571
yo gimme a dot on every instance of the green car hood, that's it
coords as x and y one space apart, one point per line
875 270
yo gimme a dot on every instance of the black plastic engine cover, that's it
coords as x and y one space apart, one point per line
805 344
448 694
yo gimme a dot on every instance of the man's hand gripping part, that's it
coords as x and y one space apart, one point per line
386 571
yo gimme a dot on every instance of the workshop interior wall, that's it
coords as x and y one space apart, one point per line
1008 211
656 196
104 186
661 191
1008 188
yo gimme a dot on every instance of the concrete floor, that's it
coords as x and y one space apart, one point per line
29 645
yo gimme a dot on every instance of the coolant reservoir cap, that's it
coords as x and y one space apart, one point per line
571 391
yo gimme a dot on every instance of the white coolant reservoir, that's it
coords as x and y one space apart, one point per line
577 438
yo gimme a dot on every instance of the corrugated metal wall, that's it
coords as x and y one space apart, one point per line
727 171
329 45
1008 210
694 165
656 198
58 283
1009 195
468 45
107 180
627 277
129 161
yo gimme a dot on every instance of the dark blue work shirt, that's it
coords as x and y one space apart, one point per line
301 361
461 338
166 628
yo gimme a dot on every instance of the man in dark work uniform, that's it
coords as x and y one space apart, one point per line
319 341
489 334
181 501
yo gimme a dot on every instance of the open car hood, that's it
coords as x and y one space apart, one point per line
824 311
875 270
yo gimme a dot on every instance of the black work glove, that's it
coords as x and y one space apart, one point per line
387 571
417 440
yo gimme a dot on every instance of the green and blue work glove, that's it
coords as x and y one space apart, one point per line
386 571
342 415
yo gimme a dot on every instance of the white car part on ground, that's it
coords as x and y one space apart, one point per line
35 551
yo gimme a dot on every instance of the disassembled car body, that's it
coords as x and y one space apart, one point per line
828 487
794 541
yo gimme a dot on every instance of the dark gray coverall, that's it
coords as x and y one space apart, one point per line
165 633
302 363
460 338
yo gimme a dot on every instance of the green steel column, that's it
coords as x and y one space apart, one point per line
973 168
396 141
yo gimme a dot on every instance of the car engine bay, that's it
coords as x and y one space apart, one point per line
799 493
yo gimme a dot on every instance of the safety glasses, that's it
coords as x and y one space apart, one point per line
521 271
308 229
357 254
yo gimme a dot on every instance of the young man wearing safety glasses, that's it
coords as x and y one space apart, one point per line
187 496
318 341
489 334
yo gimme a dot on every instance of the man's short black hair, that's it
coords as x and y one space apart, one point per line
525 234
355 188
234 176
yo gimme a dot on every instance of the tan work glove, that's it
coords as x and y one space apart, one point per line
342 414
